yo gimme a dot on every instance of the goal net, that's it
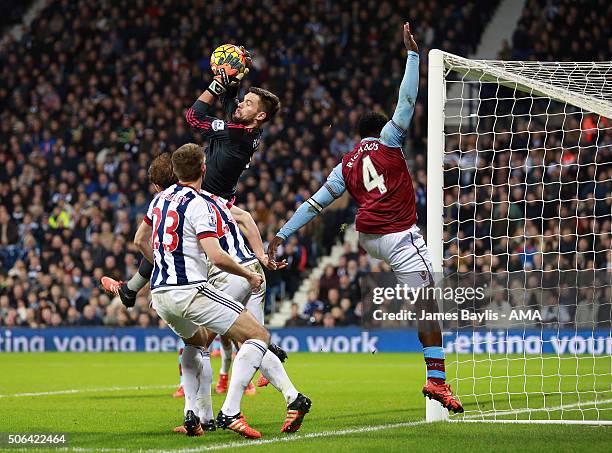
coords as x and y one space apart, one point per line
519 206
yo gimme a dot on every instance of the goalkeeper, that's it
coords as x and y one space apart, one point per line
232 141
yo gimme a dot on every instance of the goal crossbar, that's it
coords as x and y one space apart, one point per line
558 78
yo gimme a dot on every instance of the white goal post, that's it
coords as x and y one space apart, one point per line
519 205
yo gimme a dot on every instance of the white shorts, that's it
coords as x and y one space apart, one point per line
405 252
185 310
239 288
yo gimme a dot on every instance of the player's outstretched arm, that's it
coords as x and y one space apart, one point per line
334 187
225 85
219 258
142 240
198 116
249 229
253 236
393 133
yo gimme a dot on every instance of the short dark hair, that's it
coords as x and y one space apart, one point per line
371 123
160 171
269 101
187 162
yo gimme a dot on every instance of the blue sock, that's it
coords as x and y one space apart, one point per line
434 359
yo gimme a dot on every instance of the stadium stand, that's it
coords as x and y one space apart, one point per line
13 12
94 90
553 220
562 30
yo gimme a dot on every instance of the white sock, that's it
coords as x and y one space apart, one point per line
192 366
204 399
273 369
137 282
226 358
247 362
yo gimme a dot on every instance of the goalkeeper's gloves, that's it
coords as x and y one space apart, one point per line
223 80
248 57
228 74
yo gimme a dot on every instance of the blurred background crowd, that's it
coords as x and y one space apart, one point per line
94 90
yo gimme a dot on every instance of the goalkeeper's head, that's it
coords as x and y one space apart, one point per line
371 124
257 108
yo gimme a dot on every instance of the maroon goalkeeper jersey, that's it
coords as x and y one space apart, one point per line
377 178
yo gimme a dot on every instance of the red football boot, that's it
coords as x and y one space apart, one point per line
119 289
250 390
222 384
238 424
111 285
262 381
443 394
296 412
179 393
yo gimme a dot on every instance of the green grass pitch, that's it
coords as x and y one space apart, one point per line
122 402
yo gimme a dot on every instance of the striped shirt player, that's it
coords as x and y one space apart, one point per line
230 237
232 241
184 235
376 175
179 217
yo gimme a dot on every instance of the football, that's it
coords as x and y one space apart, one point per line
228 54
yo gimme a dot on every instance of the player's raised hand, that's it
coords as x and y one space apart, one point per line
222 81
274 245
409 41
248 57
230 73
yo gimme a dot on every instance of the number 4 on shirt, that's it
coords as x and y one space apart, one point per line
371 179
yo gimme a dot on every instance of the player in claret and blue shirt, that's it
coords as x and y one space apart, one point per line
376 175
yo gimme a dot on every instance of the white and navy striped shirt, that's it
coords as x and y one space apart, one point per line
230 237
179 216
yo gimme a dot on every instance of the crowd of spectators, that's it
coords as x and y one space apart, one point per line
12 13
562 30
94 90
335 299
